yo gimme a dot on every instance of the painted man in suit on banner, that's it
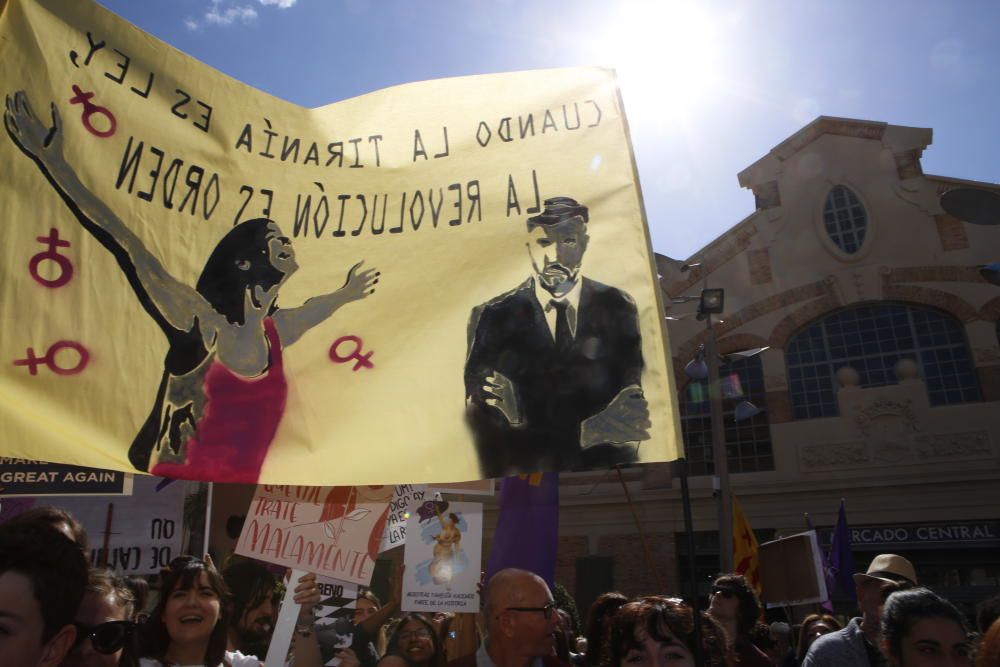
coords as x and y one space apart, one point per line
554 366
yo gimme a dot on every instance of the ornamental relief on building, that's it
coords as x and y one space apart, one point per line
912 449
834 455
951 446
886 420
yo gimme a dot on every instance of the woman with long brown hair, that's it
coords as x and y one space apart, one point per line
658 630
189 624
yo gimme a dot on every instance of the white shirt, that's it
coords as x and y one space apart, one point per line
483 658
545 299
234 658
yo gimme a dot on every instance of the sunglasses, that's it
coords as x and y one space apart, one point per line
546 610
107 637
724 592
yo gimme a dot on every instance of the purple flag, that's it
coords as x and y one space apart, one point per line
841 558
528 526
827 570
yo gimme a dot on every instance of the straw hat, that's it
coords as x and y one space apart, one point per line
888 567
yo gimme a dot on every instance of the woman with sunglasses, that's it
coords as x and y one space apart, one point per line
657 631
414 643
189 625
105 624
735 605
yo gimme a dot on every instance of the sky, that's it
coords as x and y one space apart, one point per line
709 87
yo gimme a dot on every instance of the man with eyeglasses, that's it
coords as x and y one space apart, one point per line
735 605
521 621
858 643
42 579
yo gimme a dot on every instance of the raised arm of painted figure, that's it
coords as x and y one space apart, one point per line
170 302
292 323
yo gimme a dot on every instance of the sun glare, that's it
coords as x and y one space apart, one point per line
667 55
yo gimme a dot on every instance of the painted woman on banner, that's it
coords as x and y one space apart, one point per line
223 389
446 548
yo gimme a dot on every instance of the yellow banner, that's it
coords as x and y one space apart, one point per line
446 280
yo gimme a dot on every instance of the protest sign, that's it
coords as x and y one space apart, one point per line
332 531
25 477
335 617
791 571
443 557
482 487
139 534
399 511
155 209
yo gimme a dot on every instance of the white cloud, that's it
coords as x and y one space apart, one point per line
229 12
220 15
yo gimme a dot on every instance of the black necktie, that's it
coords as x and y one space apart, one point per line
564 337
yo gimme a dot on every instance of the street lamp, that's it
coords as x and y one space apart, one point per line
704 366
720 459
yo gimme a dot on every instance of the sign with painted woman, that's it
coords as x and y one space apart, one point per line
443 557
448 280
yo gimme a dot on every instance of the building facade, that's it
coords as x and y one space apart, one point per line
880 384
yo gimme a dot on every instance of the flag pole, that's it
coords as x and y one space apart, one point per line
692 570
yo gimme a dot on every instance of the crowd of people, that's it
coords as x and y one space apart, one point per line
56 610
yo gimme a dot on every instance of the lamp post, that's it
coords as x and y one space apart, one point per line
719 459
710 302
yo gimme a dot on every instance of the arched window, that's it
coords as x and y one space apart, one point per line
748 442
845 219
871 338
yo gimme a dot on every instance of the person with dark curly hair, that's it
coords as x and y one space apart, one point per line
735 605
598 620
253 606
657 631
922 629
42 580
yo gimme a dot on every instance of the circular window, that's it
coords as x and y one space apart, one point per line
845 219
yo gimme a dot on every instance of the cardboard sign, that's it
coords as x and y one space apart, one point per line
335 617
399 511
482 487
443 557
25 477
333 531
142 533
791 570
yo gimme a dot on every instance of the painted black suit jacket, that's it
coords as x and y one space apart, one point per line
557 390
